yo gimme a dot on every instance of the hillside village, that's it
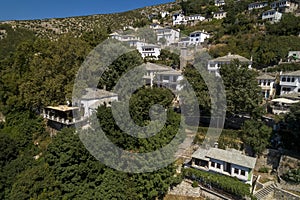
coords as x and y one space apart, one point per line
168 40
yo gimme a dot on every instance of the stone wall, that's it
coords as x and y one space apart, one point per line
284 195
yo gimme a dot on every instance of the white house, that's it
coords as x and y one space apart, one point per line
3 34
148 50
94 97
170 79
290 82
62 116
178 19
219 2
169 35
294 56
228 162
257 5
123 38
195 38
164 14
272 16
267 84
196 17
219 15
215 64
155 26
131 40
151 71
285 5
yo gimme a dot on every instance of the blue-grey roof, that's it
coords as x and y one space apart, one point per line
229 156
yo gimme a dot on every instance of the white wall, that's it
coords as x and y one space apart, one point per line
239 175
287 82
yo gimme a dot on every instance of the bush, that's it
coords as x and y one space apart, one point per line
292 176
263 170
195 184
226 183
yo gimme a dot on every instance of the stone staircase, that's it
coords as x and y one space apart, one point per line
264 192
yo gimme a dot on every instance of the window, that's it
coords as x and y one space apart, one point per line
269 82
243 173
293 79
218 165
286 89
236 171
166 78
298 90
288 79
174 78
283 79
213 164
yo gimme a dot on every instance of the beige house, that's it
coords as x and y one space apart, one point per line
267 84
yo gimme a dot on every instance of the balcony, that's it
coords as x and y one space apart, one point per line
265 87
286 83
64 121
280 110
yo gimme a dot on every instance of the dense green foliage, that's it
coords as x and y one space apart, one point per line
291 132
292 176
41 73
257 135
288 25
120 66
199 86
13 38
285 67
68 171
228 138
140 104
226 183
242 90
17 149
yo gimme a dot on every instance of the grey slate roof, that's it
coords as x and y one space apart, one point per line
170 72
155 67
231 57
265 77
234 157
94 93
150 46
295 73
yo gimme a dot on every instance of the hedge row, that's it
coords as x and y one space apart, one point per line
226 183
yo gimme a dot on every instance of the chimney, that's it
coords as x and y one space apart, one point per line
216 144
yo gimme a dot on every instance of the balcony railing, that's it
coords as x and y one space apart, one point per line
295 83
63 120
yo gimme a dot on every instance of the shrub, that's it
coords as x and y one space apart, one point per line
226 183
195 184
292 176
263 170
